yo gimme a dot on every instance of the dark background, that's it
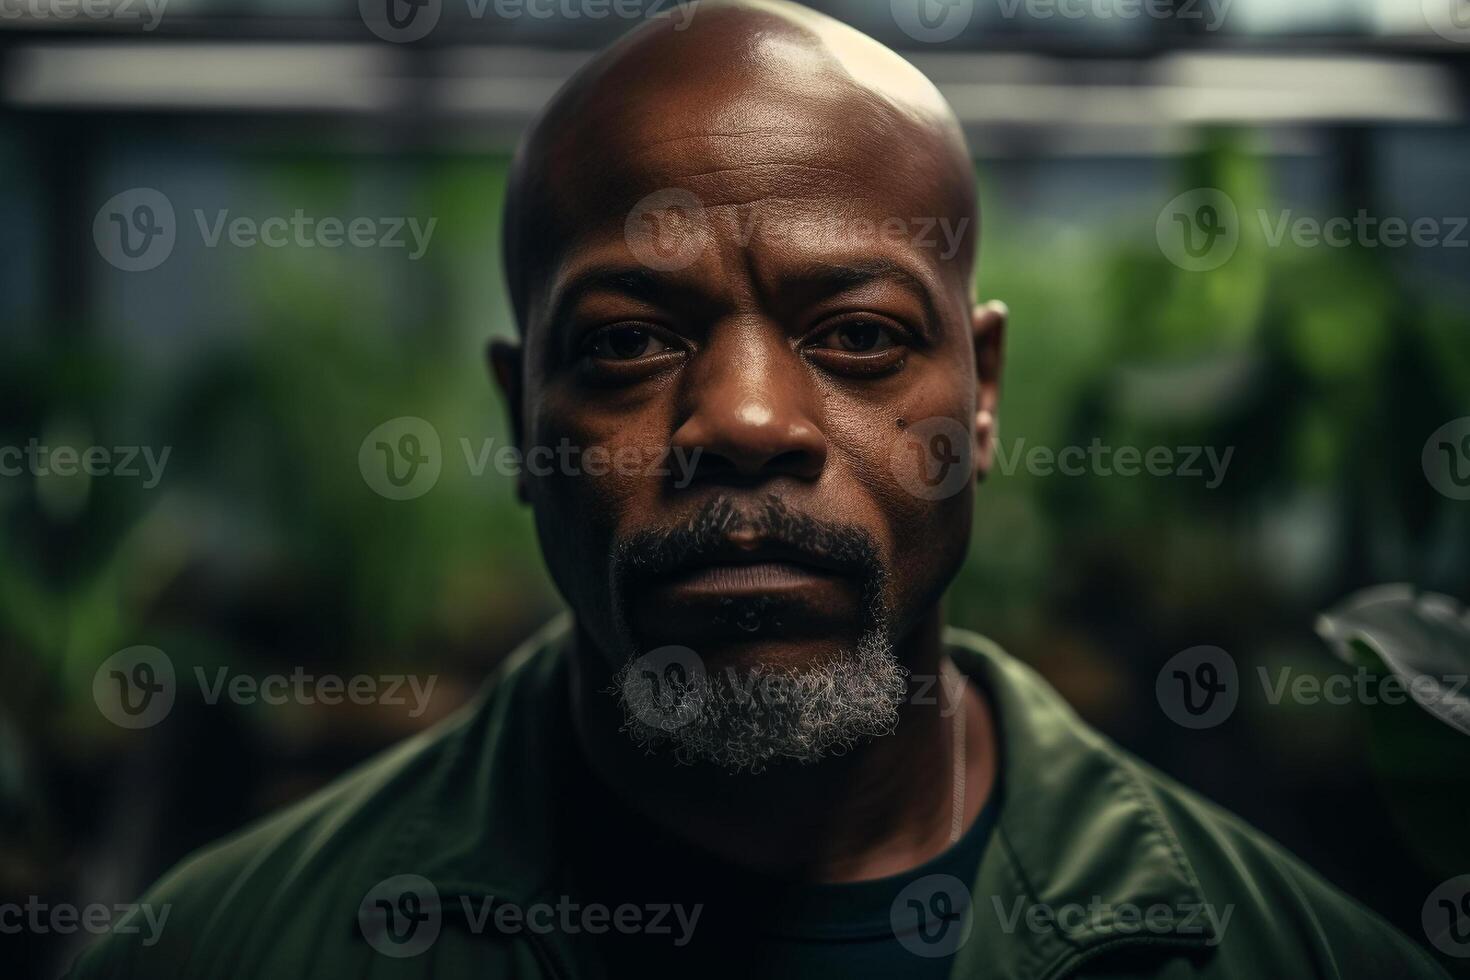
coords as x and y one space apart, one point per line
263 548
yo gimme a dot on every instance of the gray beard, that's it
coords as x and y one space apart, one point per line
742 721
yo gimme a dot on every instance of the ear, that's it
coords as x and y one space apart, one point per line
507 365
988 324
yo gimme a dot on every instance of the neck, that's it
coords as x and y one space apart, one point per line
880 809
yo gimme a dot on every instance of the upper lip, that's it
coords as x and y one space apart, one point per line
758 552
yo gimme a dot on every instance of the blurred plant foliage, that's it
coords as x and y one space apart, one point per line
263 544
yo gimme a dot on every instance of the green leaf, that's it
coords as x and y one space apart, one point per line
1422 638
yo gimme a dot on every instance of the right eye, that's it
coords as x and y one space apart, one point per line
624 342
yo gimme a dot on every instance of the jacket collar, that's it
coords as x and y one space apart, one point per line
1080 839
1079 830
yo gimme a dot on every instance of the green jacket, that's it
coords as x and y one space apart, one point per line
1085 834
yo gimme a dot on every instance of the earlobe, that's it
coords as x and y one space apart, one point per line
988 323
507 366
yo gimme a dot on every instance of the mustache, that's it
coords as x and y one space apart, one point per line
655 552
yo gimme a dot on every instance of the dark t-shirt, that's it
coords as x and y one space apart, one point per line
750 925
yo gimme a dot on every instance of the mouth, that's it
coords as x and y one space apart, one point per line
746 570
734 580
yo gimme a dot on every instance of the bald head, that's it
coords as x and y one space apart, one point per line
737 104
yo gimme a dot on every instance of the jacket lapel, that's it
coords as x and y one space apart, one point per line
1078 838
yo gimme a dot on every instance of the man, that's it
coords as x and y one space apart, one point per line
753 749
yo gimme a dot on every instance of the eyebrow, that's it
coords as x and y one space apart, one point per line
829 278
632 281
823 278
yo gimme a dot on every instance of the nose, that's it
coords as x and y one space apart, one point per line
749 415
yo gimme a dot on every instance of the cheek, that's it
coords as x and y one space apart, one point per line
919 477
602 474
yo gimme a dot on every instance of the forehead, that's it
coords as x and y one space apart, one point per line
767 174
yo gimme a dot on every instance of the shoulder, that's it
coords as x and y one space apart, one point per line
298 860
1091 818
1268 901
299 875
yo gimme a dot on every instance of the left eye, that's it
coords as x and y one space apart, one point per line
860 337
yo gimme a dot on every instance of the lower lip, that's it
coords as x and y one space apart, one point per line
752 579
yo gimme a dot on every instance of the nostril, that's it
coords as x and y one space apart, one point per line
715 467
714 464
791 461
